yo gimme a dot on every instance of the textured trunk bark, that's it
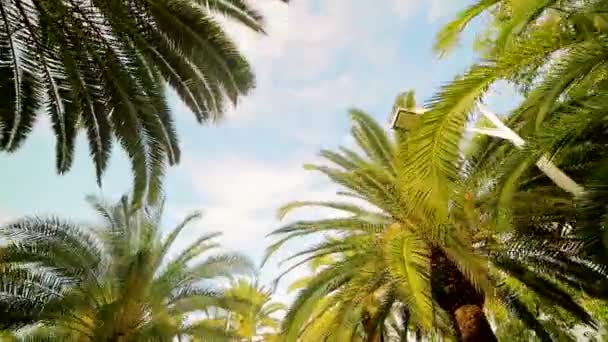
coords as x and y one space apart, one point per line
405 316
472 324
457 296
372 333
375 337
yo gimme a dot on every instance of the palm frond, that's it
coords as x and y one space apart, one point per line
519 309
448 36
437 153
112 280
545 288
79 70
409 261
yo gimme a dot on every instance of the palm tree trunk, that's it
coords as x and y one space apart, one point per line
405 317
459 298
372 333
472 324
374 337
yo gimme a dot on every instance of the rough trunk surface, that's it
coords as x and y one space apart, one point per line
372 331
472 324
456 295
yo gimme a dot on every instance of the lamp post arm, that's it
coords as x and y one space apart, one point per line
544 164
559 177
508 133
502 131
493 132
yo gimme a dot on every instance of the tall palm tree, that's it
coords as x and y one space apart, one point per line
431 253
116 281
567 233
102 65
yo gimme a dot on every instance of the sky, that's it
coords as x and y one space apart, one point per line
319 59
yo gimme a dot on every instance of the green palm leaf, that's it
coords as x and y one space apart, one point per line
103 68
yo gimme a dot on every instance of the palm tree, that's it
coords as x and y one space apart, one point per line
102 65
431 253
562 116
256 316
112 282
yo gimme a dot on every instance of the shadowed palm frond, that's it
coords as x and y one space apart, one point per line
104 68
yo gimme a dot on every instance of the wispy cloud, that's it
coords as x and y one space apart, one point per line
242 194
302 64
405 8
5 217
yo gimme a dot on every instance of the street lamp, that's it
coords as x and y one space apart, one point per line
406 118
409 118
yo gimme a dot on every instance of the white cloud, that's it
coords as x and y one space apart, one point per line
255 45
5 217
340 89
299 46
436 8
405 7
441 8
242 194
298 35
297 63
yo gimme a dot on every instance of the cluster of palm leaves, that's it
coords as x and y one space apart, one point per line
103 65
118 280
258 318
455 229
123 279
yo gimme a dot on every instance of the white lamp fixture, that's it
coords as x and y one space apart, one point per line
407 118
404 118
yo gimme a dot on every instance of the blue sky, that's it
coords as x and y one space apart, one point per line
319 59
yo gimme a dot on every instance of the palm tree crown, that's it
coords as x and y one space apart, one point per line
112 281
394 251
255 317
